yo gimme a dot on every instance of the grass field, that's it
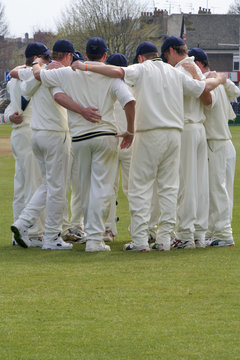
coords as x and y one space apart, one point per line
68 305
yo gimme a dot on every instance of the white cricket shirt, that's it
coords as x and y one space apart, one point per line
89 89
159 88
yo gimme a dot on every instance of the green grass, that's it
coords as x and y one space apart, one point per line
117 306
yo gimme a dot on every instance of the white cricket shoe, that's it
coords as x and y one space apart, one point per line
36 241
219 243
136 248
200 243
56 244
161 246
75 234
20 232
108 236
186 244
96 246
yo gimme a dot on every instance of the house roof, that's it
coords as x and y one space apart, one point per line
208 31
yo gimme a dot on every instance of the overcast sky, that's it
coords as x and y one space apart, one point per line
30 15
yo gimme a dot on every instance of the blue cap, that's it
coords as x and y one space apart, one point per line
36 48
170 42
117 59
63 45
198 53
145 47
78 56
96 46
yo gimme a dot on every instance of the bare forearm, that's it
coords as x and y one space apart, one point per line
107 70
130 115
206 98
14 72
65 101
212 83
89 113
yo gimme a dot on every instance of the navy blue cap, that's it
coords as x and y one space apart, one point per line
145 47
78 56
117 59
96 46
170 42
36 48
198 53
63 45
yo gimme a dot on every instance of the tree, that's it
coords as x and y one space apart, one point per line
234 8
3 21
117 21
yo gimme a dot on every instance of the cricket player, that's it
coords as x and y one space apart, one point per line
94 144
51 145
159 90
27 176
193 198
221 157
124 155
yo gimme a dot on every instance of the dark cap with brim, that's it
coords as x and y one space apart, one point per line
96 46
117 59
145 47
170 42
36 48
78 56
198 54
63 45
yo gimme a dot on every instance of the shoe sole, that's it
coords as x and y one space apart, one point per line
17 237
226 245
162 250
93 251
56 248
135 250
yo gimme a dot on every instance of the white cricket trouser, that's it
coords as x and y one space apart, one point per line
52 150
155 156
222 159
66 222
124 160
27 176
155 209
97 163
193 199
77 218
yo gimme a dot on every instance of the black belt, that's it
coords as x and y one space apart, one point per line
92 135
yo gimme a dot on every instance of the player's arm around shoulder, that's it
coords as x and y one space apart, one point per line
107 70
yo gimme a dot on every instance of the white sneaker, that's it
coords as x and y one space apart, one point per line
75 234
188 244
56 244
21 234
96 246
36 241
200 243
219 243
108 236
136 248
161 246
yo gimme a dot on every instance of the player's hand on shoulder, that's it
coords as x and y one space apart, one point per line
189 67
54 65
78 65
16 118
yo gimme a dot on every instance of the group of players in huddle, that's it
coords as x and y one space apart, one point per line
163 120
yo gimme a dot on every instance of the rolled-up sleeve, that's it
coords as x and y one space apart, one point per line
121 91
